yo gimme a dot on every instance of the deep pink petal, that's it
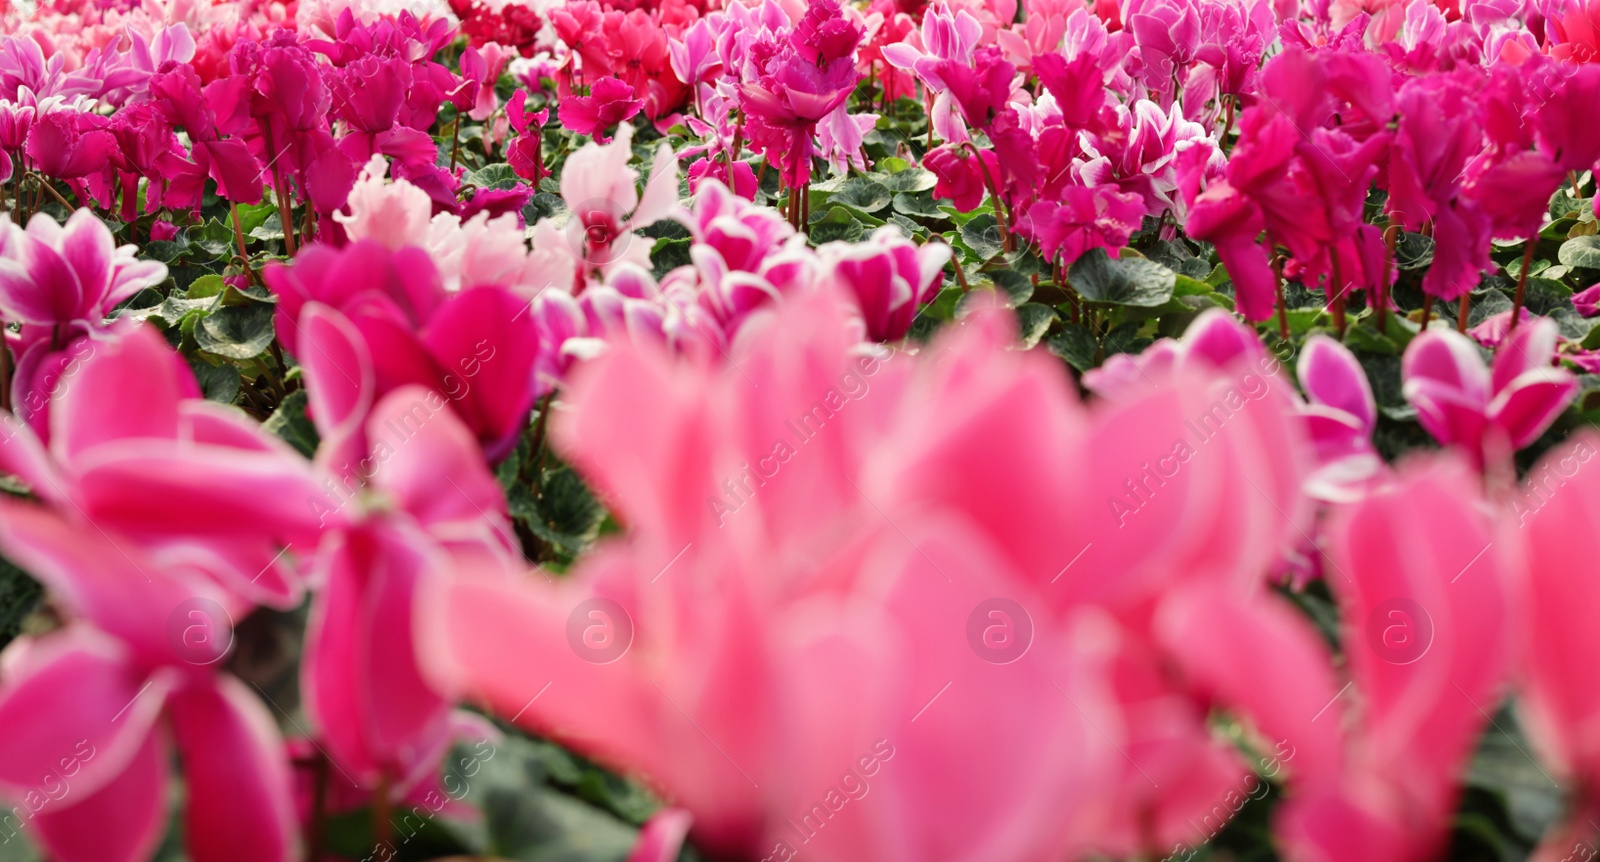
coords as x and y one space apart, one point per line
76 711
236 774
92 406
122 822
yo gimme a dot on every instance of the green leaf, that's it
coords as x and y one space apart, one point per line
19 595
1129 281
863 194
1583 251
236 332
917 204
526 818
982 235
497 175
218 383
838 224
543 205
289 424
909 180
206 286
271 228
1413 251
565 515
1033 321
1076 345
1017 287
1176 256
668 254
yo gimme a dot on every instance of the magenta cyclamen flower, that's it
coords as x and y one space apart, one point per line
800 81
889 276
53 273
610 101
1087 217
1461 402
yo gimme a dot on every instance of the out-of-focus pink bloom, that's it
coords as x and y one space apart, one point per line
1087 217
1340 417
742 182
94 706
439 504
1560 500
1461 402
482 66
394 214
889 276
1587 301
861 590
610 101
199 486
945 37
1424 577
694 56
662 837
1563 121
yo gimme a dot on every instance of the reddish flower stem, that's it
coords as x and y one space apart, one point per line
1002 215
1522 281
1391 234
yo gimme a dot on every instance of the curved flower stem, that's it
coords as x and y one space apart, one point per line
44 185
961 274
319 808
1522 281
238 235
1227 129
455 142
380 815
1427 309
1463 310
1277 287
5 369
1391 235
285 207
1336 299
1001 212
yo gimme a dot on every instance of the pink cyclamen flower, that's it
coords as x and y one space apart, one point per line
1087 217
961 178
475 346
1559 705
161 519
1424 574
1461 402
1340 417
53 274
598 187
889 276
413 494
610 101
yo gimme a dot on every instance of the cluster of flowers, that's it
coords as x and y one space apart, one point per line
835 540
